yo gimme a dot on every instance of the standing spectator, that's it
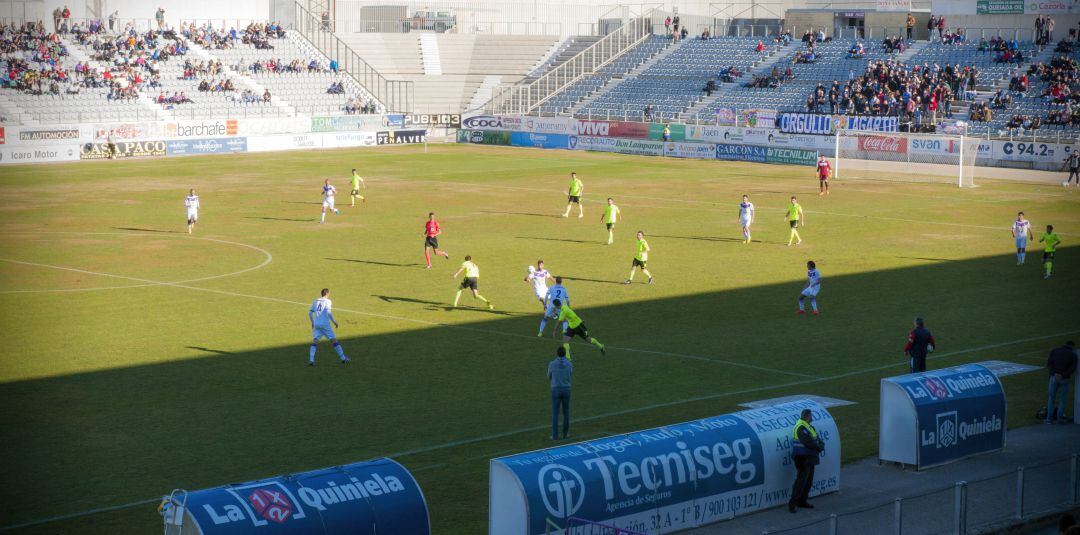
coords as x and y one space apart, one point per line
667 132
1061 364
160 17
56 16
112 21
1039 23
1049 29
930 25
941 27
667 25
1072 161
559 372
910 25
919 343
806 449
326 21
67 18
334 66
675 23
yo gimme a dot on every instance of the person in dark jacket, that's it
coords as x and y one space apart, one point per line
559 372
806 448
919 343
1062 365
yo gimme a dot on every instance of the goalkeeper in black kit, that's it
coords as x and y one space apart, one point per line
919 343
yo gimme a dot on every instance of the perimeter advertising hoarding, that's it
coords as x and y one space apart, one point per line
791 156
483 137
122 149
678 131
183 147
741 153
52 153
540 141
374 497
660 480
621 146
937 417
611 129
677 149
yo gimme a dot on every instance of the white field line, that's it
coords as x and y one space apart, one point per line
644 408
267 258
149 282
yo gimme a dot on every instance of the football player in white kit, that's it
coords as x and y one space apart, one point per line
813 286
556 292
321 317
328 192
191 202
539 276
746 217
1021 230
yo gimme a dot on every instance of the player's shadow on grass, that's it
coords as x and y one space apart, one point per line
711 238
302 202
133 229
375 262
442 305
520 213
928 259
282 219
567 240
581 279
208 350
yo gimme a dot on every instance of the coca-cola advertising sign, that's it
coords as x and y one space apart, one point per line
892 144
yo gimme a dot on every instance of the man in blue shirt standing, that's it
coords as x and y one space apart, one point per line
559 372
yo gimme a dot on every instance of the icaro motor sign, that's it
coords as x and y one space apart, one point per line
659 480
366 498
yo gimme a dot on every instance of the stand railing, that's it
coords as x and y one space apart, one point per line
394 95
522 98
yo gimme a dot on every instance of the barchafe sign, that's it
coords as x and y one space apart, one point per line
940 416
374 497
661 480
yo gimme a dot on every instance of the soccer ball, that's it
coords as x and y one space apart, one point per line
929 348
531 270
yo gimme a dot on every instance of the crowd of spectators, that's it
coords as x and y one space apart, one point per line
336 88
223 85
176 98
278 66
258 35
357 105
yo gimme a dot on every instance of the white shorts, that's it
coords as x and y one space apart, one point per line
193 214
1021 243
319 332
541 293
744 222
328 203
811 291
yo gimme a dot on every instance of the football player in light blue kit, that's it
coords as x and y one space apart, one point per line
321 317
813 286
1021 230
558 291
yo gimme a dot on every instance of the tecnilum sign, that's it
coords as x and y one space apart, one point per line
660 480
378 496
936 417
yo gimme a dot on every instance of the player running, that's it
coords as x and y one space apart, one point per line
610 216
555 293
431 239
795 217
577 187
641 259
813 286
328 193
539 277
191 202
357 185
471 281
576 327
1021 231
746 217
321 317
1051 241
823 172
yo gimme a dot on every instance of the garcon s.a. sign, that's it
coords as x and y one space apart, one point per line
660 480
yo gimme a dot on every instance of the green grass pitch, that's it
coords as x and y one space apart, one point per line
137 359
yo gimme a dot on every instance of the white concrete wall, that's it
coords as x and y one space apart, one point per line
175 10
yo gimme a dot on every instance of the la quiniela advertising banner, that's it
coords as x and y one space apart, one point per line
661 480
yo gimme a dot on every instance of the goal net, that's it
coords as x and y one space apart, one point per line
900 156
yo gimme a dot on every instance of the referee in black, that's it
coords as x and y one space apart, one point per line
919 343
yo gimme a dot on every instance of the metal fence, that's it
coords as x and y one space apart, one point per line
986 504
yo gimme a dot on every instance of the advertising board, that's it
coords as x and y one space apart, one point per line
678 149
400 137
201 129
184 147
50 153
621 129
540 141
483 137
122 149
621 146
805 123
678 131
661 480
276 142
791 156
444 120
548 125
742 153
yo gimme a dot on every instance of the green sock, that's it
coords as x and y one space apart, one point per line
595 342
480 297
1049 267
566 346
457 297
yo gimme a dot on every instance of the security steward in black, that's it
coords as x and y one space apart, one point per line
806 448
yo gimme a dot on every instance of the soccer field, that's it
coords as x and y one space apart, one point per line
138 359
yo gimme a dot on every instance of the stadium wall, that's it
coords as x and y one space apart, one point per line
149 139
216 10
739 143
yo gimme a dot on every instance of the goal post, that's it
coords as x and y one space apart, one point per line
906 157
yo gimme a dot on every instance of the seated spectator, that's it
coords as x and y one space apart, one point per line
857 50
705 34
760 46
266 96
710 86
334 66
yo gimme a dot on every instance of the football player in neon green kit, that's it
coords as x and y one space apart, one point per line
641 259
574 327
795 217
357 185
1051 241
471 281
577 187
611 215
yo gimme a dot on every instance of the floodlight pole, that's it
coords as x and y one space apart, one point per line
960 180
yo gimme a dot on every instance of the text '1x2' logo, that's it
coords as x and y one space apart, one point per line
270 504
562 490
